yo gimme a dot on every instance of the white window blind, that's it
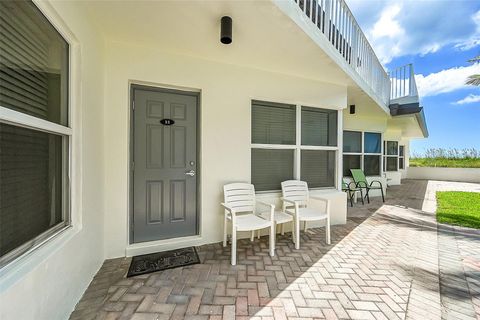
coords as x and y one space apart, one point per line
293 142
319 127
273 123
270 167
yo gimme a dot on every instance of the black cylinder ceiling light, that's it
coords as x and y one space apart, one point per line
226 30
352 109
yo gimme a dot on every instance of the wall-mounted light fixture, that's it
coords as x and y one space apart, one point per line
352 109
226 30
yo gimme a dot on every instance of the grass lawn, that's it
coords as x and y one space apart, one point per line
445 162
459 208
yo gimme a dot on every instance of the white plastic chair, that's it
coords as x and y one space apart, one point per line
295 196
240 208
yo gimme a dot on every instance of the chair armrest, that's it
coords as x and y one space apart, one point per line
359 184
292 202
269 205
371 183
229 209
327 203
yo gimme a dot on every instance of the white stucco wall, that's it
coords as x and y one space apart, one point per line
379 123
48 283
226 94
369 122
444 174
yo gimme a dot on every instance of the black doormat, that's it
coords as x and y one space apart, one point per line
153 262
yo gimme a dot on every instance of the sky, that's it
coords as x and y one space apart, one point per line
438 37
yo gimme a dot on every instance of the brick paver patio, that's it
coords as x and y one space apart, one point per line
390 261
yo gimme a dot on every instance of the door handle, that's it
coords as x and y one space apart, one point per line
190 173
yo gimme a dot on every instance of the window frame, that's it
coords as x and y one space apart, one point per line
298 147
387 156
400 156
19 119
362 154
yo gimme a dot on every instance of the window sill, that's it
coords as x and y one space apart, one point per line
18 268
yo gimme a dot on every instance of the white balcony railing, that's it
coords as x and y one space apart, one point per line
335 20
403 82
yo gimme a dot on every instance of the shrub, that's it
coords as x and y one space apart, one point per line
440 157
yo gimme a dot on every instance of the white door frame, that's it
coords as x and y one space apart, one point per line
173 243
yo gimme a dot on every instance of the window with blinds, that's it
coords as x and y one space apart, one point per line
270 167
273 123
34 160
362 150
351 161
401 157
371 165
278 156
372 142
33 63
318 168
352 141
319 127
391 155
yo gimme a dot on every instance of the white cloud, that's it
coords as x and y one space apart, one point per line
474 40
447 80
403 27
387 25
385 33
471 98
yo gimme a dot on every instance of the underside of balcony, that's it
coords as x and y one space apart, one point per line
265 37
405 106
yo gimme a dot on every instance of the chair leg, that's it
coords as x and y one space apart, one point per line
383 197
293 231
327 231
361 195
367 196
252 235
297 234
234 246
272 239
351 195
225 222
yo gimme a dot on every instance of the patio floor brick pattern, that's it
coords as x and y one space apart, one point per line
378 267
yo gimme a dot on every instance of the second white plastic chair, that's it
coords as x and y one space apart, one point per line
296 202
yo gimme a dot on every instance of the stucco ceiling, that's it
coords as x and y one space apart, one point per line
263 37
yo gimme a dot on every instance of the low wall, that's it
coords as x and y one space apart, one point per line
444 174
394 178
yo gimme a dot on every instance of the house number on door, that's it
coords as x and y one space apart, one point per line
167 122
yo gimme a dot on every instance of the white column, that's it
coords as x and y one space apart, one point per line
340 149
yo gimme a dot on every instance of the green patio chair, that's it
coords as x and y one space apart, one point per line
347 187
361 182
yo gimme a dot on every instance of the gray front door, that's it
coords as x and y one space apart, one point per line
165 165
